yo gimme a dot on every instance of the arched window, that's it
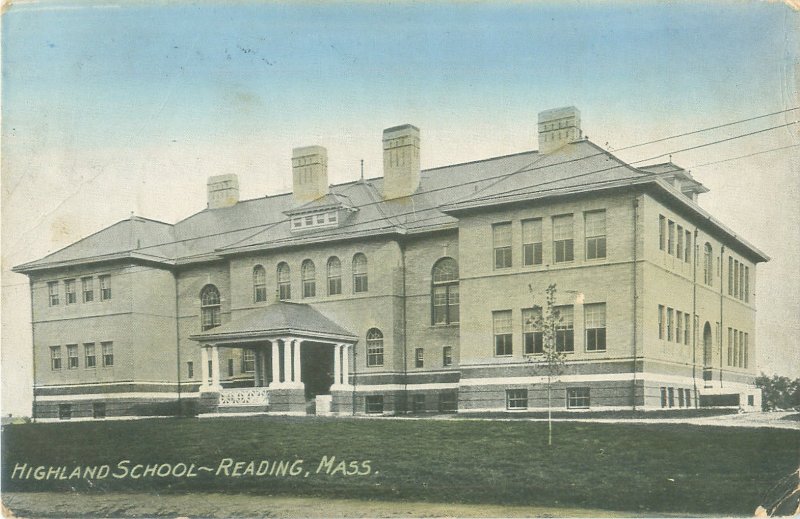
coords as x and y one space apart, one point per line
444 293
334 276
284 282
308 273
360 279
209 307
708 264
374 347
259 284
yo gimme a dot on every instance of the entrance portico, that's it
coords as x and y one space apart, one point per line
280 336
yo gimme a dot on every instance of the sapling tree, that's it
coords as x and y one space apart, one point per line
551 359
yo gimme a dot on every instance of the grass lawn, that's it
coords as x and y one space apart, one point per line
669 468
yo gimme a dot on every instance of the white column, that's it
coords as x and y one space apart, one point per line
297 371
257 370
287 361
346 364
337 365
204 374
262 354
276 363
215 385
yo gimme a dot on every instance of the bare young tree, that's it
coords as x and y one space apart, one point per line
552 358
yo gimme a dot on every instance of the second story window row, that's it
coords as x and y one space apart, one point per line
738 279
71 294
674 239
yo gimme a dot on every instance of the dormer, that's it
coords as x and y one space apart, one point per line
325 212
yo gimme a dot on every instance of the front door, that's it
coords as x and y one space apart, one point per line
317 370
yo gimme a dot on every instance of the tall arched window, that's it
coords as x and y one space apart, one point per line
444 292
360 279
708 264
259 284
374 347
308 273
209 307
334 276
284 281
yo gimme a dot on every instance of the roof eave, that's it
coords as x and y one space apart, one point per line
232 337
30 267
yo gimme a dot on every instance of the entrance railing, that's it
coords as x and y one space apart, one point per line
243 396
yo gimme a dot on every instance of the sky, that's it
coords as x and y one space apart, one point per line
111 108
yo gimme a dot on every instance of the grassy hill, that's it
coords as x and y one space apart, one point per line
670 468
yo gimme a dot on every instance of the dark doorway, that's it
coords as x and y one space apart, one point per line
317 362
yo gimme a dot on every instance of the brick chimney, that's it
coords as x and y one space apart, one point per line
223 191
400 161
309 173
558 127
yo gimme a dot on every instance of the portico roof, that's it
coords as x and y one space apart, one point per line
275 321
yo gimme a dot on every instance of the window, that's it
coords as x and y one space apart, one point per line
209 307
447 402
687 251
565 330
190 369
595 225
360 279
72 356
671 396
501 322
334 276
735 279
259 284
663 397
373 404
578 398
230 367
516 398
69 291
418 403
501 240
730 276
105 288
374 347
532 338
55 358
447 356
741 280
678 326
730 346
89 355
595 317
98 410
64 411
308 273
248 361
52 291
87 288
670 237
419 358
708 264
679 246
681 401
747 284
662 232
660 321
108 353
532 242
688 397
284 281
445 293
686 320
746 349
670 322
563 248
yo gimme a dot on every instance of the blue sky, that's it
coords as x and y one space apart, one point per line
110 108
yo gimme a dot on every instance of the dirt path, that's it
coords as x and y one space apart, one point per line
116 504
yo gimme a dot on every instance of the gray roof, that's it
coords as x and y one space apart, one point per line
277 320
263 224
